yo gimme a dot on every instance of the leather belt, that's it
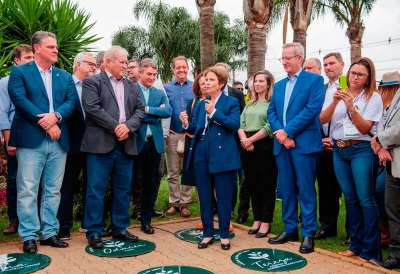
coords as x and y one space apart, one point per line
346 143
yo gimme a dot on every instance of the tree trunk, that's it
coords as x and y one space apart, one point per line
355 32
257 47
207 56
300 36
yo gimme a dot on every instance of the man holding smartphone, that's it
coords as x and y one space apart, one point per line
328 188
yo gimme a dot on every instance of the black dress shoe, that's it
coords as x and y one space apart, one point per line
126 236
307 245
202 244
53 241
252 231
391 263
241 219
226 246
30 246
323 234
261 234
147 228
107 232
283 238
64 235
95 241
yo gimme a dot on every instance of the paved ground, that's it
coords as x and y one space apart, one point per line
172 251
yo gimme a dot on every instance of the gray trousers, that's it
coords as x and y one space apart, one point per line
392 204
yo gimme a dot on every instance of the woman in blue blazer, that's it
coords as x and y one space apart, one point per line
214 154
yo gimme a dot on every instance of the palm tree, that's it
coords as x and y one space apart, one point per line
135 40
171 32
257 15
206 19
19 19
300 19
350 14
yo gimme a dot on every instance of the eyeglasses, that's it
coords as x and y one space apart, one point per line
89 63
286 58
358 74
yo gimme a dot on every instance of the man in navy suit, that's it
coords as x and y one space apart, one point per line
44 97
149 141
294 117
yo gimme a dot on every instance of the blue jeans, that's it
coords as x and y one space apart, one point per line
355 168
117 165
41 166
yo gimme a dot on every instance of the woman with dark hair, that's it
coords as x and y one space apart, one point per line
259 167
214 155
353 116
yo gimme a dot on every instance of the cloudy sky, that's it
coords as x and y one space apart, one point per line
324 34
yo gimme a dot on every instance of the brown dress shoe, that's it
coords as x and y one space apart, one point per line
171 211
11 228
185 212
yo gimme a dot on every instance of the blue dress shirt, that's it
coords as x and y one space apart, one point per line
7 108
179 96
288 93
48 84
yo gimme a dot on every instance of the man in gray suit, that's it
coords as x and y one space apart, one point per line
386 144
113 111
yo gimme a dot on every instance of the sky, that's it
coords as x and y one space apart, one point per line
323 35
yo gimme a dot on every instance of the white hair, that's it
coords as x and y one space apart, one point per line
79 58
297 48
114 51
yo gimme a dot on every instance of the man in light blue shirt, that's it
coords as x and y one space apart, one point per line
20 55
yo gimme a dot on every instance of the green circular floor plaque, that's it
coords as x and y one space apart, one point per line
114 248
194 235
22 263
267 259
175 269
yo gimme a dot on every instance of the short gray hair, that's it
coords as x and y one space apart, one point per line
297 48
316 61
38 36
79 58
114 51
100 57
146 63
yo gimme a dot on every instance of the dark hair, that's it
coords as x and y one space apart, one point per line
38 36
337 55
17 52
237 83
370 85
196 85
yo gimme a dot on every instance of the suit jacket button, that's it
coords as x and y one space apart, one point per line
219 133
219 147
190 148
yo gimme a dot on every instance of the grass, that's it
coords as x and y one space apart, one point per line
333 244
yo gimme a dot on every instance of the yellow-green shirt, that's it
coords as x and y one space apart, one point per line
254 117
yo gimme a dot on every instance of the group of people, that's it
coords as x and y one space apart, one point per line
111 123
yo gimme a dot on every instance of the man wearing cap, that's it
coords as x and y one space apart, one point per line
386 144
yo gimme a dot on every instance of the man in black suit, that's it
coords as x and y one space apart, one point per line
114 111
84 66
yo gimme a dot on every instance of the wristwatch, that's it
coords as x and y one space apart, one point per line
58 116
377 140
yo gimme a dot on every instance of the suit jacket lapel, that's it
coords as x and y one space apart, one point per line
107 83
296 88
55 77
126 96
394 107
38 78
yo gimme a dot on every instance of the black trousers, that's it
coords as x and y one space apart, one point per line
392 204
72 183
244 195
260 172
11 192
147 177
329 193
